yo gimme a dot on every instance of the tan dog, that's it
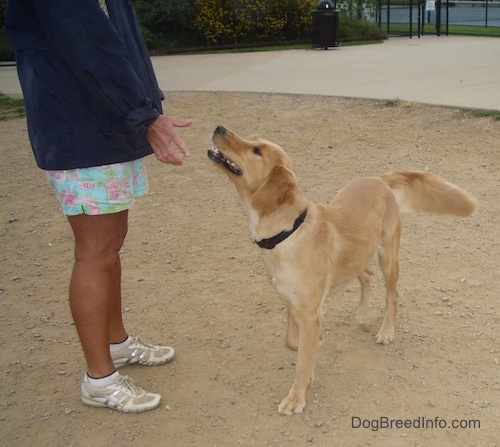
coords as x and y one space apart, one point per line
314 250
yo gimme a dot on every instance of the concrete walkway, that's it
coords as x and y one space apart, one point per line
455 71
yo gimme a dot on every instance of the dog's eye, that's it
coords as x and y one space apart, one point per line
257 151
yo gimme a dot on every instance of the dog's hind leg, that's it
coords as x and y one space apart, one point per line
365 279
388 254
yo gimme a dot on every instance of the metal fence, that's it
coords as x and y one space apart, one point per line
436 16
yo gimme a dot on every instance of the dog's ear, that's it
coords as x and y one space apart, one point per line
278 189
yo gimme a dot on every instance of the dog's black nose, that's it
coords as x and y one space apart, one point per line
221 130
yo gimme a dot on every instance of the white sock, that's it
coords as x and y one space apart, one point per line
103 381
115 347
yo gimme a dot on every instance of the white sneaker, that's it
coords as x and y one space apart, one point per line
121 395
141 352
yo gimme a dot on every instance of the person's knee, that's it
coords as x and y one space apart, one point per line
99 237
102 250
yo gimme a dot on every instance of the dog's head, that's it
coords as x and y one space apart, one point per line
260 170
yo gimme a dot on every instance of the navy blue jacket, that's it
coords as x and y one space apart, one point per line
87 80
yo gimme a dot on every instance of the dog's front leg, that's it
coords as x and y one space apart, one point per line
292 332
308 326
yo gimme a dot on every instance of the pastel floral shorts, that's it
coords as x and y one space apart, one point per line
100 190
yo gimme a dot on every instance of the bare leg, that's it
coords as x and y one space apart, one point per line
95 287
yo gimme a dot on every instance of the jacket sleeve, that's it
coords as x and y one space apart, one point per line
85 39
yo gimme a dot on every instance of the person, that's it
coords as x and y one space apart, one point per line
94 111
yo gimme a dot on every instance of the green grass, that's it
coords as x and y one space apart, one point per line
250 49
391 102
429 29
477 113
11 107
495 114
473 31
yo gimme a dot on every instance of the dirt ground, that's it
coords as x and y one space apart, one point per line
193 279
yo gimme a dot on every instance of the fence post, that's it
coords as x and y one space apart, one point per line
486 15
411 19
438 17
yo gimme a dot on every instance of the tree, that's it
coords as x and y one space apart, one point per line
167 23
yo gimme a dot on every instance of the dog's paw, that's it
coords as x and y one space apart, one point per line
292 404
385 337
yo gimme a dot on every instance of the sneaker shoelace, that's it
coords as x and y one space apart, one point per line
127 386
142 344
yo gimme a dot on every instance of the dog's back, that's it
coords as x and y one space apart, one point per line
424 191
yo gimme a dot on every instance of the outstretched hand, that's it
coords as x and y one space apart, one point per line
162 133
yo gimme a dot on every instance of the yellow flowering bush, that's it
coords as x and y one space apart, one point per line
227 21
215 20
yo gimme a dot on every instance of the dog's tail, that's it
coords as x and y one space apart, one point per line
423 191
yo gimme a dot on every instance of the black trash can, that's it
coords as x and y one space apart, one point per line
326 31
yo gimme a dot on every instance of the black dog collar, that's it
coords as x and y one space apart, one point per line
275 240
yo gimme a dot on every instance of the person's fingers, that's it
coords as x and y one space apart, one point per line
167 154
181 145
181 122
162 136
176 138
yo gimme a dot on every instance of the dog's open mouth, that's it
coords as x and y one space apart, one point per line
218 157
